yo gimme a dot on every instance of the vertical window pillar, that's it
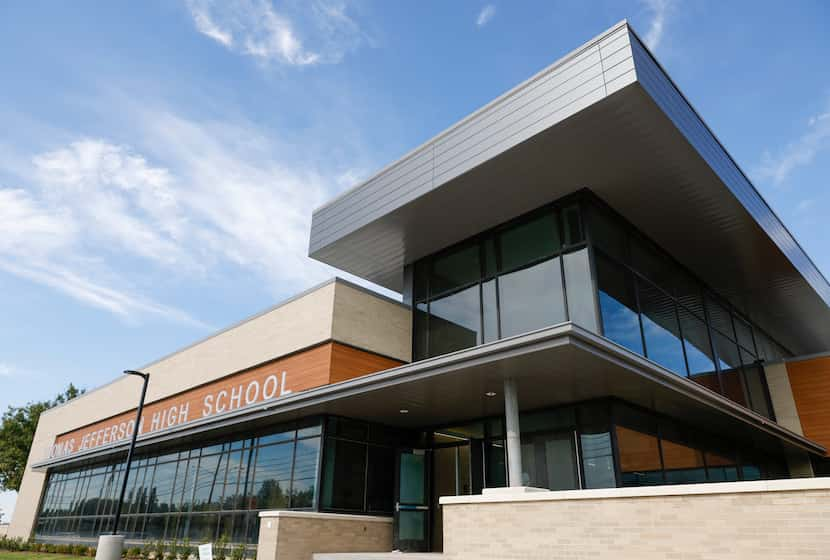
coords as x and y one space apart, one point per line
512 433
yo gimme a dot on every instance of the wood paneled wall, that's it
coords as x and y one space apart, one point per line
324 364
810 382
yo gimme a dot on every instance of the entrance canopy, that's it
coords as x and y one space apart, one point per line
552 366
605 117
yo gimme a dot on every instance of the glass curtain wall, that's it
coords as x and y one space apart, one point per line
199 493
359 466
530 273
653 449
652 306
608 443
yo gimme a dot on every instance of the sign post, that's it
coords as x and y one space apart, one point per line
206 551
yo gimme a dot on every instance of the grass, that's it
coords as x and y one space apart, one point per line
6 555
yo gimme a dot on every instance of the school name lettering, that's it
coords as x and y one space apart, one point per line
160 418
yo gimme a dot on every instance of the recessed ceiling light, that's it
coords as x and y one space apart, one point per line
404 411
490 394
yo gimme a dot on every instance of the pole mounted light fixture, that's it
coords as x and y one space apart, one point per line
146 378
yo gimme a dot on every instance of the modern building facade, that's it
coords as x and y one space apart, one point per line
594 296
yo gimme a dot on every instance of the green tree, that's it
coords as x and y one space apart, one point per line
17 430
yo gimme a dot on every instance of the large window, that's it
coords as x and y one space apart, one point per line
530 273
197 493
652 306
653 449
359 466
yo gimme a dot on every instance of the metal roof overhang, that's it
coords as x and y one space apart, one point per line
552 366
641 148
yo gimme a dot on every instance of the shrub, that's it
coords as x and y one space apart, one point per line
159 549
91 551
238 552
187 549
219 551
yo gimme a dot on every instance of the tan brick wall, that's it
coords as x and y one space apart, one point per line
297 535
757 525
333 310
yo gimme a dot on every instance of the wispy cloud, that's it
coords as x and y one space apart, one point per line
7 371
485 15
658 10
257 29
206 197
205 24
815 138
57 232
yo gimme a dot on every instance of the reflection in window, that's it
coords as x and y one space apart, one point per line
531 298
640 462
682 462
345 475
580 290
455 322
528 242
595 446
455 269
698 350
660 328
729 361
489 311
618 305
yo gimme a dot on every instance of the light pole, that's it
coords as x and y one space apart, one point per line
110 546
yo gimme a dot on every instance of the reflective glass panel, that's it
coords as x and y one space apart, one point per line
528 242
639 449
345 472
531 298
455 322
454 269
572 225
595 446
660 328
580 290
421 334
618 305
489 311
273 476
682 461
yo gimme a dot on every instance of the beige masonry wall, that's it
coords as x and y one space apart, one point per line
781 395
297 535
761 520
378 324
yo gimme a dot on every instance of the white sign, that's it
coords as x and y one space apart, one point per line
206 551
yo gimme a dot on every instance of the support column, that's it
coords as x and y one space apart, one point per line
512 433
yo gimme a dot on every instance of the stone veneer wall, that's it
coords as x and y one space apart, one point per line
296 535
774 520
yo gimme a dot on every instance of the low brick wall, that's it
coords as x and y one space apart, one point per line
775 520
296 535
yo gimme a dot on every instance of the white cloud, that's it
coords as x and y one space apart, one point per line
6 370
485 15
206 25
815 138
255 28
659 10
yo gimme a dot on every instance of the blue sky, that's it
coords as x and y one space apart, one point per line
159 160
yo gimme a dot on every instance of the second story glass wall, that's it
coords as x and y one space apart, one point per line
654 307
530 273
577 260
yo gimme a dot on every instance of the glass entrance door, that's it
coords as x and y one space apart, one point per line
412 501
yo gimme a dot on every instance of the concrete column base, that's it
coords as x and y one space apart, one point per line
109 547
